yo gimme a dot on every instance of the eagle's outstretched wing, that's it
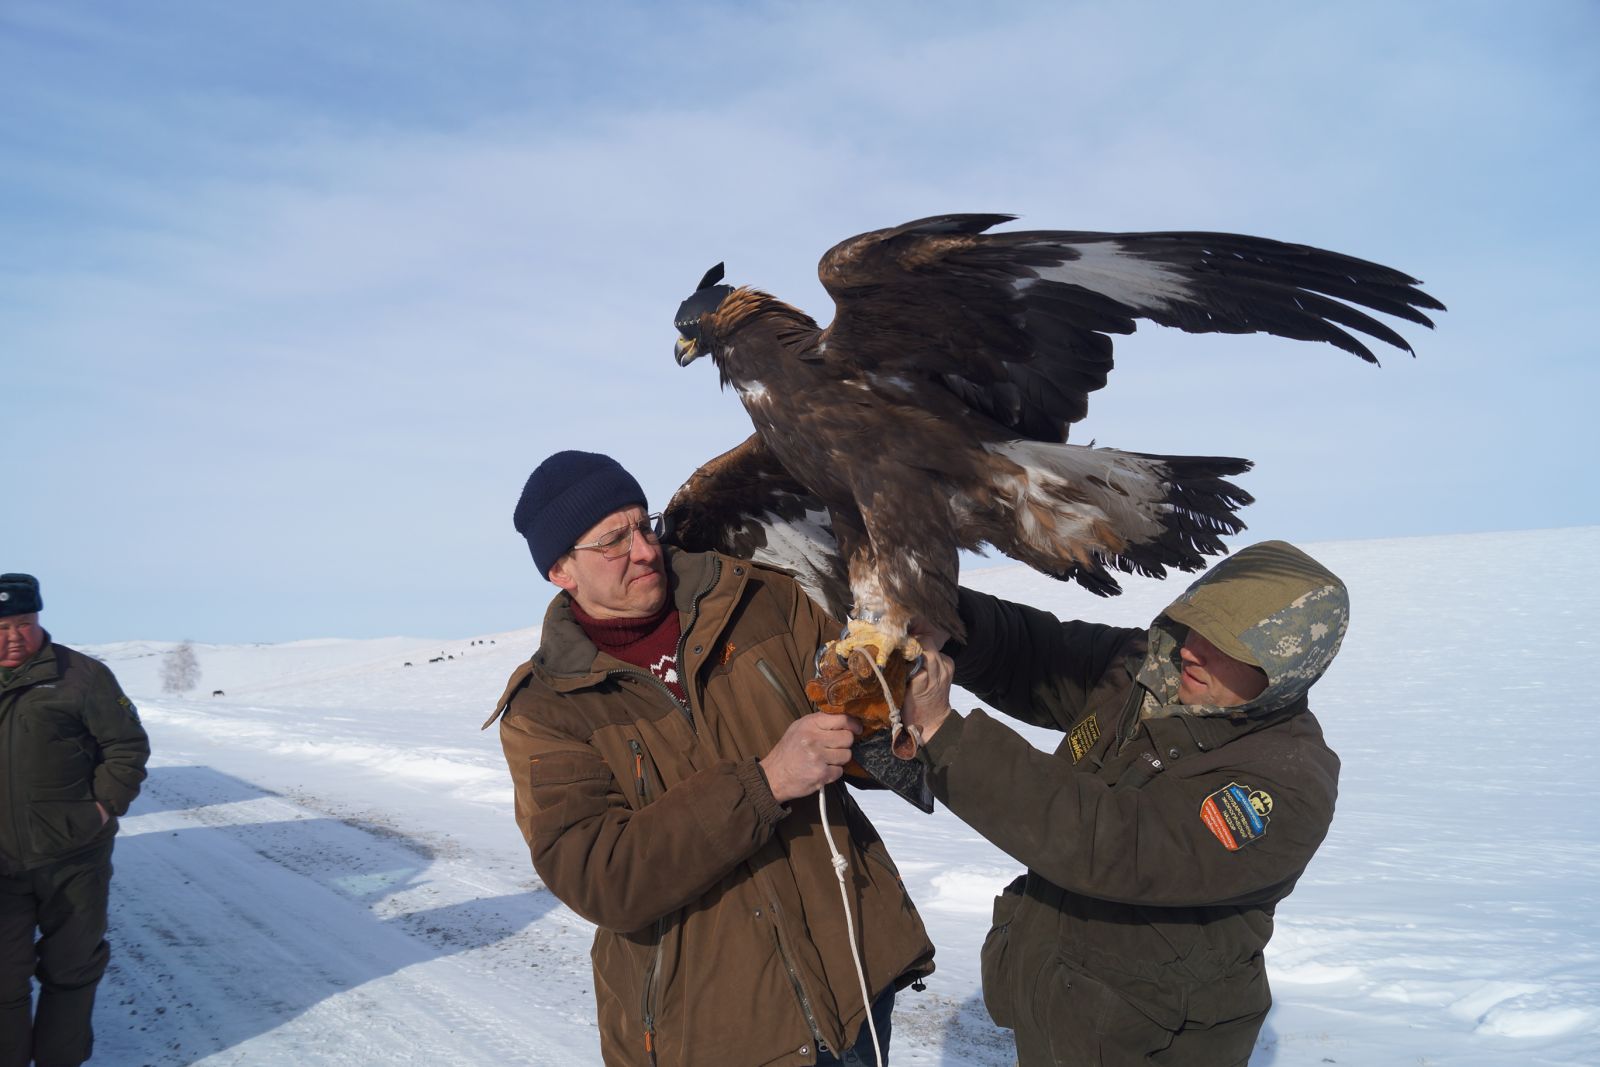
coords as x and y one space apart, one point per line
745 504
1018 324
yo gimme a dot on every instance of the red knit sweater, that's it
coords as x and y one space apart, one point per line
650 643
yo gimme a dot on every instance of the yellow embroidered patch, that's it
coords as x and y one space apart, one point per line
1083 737
727 653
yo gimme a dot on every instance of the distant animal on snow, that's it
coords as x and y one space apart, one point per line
218 693
932 414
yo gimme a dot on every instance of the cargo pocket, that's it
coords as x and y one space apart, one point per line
57 826
998 994
1081 1019
562 782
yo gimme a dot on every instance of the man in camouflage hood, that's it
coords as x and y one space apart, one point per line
1190 790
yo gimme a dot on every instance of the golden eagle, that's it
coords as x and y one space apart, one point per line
932 414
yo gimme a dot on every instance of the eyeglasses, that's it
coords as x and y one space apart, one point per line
619 542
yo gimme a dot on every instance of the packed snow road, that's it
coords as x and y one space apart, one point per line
266 931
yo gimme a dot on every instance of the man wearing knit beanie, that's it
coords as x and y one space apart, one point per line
63 719
659 744
574 494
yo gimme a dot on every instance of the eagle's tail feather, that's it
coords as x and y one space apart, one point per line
1081 513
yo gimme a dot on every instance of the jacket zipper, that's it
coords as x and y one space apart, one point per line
683 639
647 1008
638 766
794 975
765 670
1128 727
647 996
683 636
659 684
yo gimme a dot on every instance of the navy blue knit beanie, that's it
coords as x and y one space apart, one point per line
567 494
19 595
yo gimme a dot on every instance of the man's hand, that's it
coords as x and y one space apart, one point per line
105 816
811 753
928 700
930 637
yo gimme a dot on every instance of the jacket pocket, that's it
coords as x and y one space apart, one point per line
1082 1019
58 826
996 965
632 759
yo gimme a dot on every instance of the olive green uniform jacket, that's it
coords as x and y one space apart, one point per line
68 738
722 936
1158 838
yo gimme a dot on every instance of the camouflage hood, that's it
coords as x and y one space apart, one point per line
1270 605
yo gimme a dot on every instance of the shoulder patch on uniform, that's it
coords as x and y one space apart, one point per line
127 706
1082 738
1237 815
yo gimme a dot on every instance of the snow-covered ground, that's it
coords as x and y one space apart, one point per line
323 867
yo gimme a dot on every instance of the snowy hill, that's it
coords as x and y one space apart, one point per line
323 868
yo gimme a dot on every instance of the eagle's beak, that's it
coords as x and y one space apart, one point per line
686 351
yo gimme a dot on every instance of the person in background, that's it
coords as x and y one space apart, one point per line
664 766
72 755
1191 788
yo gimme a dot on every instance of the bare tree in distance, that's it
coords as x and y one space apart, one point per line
180 670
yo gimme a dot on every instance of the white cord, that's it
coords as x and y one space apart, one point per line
840 865
896 724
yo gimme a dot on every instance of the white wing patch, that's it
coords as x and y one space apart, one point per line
803 548
1077 488
1102 266
792 545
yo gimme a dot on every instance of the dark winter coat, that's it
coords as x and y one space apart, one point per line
722 936
1159 837
68 738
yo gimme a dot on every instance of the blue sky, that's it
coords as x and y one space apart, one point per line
293 296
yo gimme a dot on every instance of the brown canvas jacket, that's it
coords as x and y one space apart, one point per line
68 738
1131 891
721 930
